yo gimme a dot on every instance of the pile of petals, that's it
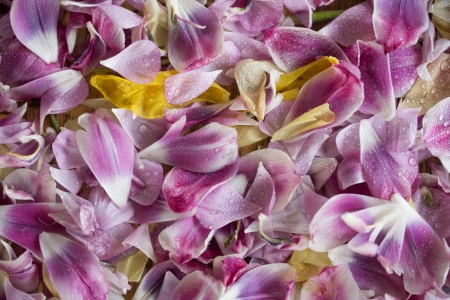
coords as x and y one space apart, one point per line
151 188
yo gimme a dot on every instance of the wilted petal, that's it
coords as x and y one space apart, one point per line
399 23
206 150
352 25
384 171
280 168
108 152
75 22
293 47
197 285
41 187
332 283
24 155
195 34
34 24
184 190
72 268
222 206
271 281
186 239
139 62
375 74
23 223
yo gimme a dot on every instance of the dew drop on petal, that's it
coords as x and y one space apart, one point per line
143 128
412 161
437 225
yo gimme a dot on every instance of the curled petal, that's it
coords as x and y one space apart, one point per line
41 187
139 62
293 47
25 154
197 285
71 180
34 24
108 152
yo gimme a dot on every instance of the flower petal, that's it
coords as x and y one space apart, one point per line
71 180
108 152
72 268
34 24
66 151
197 285
435 133
139 62
403 63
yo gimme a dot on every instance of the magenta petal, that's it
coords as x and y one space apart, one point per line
375 74
72 268
139 62
184 190
42 188
108 152
183 87
150 176
191 47
185 239
75 22
280 168
385 172
197 113
353 25
71 180
159 211
399 23
34 24
199 286
66 151
206 150
143 132
435 128
222 206
271 281
403 63
262 191
293 47
349 171
23 223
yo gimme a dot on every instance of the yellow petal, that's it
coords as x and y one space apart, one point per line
308 263
297 78
133 266
290 95
315 118
249 134
427 94
148 100
442 26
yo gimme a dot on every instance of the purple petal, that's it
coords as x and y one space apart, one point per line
262 191
71 180
248 47
375 74
271 281
183 87
435 133
66 151
401 131
34 24
159 211
403 63
280 168
186 239
42 188
24 155
432 207
150 177
197 285
222 206
184 190
293 47
191 47
75 22
108 152
24 223
399 23
349 171
72 268
206 150
301 9
139 62
321 170
196 113
140 238
352 25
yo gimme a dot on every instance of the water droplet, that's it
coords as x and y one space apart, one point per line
143 128
217 150
177 92
441 117
437 225
445 66
412 161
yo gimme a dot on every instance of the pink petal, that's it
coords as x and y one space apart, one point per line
42 188
75 22
196 113
379 97
399 23
71 180
262 191
140 238
139 62
206 150
72 269
34 24
193 47
403 63
150 177
352 25
108 152
183 87
349 171
159 211
222 206
401 131
186 239
435 132
197 285
66 151
293 47
184 190
301 9
248 47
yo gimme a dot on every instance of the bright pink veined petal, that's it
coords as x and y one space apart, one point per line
108 152
399 23
72 268
139 62
34 23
